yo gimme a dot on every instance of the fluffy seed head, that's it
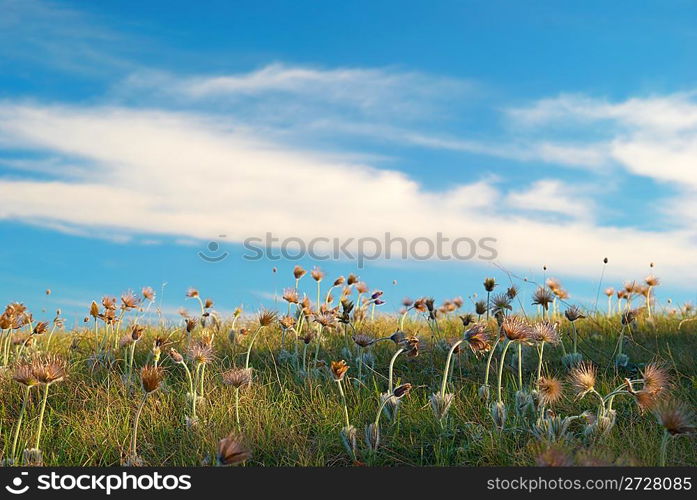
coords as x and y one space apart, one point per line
550 390
151 377
583 378
238 377
675 417
516 329
49 369
231 451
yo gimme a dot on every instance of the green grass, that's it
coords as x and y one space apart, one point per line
292 420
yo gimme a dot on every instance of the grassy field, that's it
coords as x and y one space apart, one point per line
293 416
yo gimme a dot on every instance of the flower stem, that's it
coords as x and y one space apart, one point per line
447 367
136 419
503 359
664 448
391 369
488 361
41 416
19 421
343 400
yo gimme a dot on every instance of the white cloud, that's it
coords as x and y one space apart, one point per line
552 196
187 175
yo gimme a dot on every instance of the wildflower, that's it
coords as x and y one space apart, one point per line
291 295
467 319
339 369
49 369
544 331
489 284
200 352
402 390
266 318
655 378
542 297
151 377
363 340
480 307
573 313
231 451
676 418
512 292
239 378
550 390
175 356
317 274
192 293
477 338
148 293
128 301
24 375
515 329
298 272
583 378
652 280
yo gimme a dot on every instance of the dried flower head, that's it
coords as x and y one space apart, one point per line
266 318
291 295
151 377
655 377
129 301
232 451
629 317
477 338
363 340
200 352
317 274
49 368
298 272
402 390
176 356
489 284
550 390
583 378
239 378
512 292
410 346
24 374
573 313
516 329
652 280
676 417
542 297
192 293
339 369
467 319
545 331
480 307
609 291
148 293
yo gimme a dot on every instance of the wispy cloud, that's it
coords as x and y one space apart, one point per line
180 174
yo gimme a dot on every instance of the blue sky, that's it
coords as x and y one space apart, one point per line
133 133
